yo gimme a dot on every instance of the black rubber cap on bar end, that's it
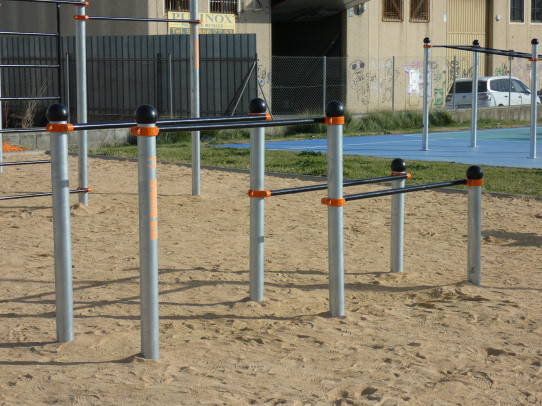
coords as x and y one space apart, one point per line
146 114
398 165
335 109
257 106
475 172
57 112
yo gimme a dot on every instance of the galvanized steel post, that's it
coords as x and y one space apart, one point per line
534 96
195 108
335 120
474 101
474 250
398 167
81 79
257 194
425 135
146 132
57 114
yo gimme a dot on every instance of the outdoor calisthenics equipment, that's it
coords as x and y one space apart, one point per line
42 66
476 49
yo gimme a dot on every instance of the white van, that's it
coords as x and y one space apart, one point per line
493 91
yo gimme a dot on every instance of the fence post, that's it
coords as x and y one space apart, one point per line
195 108
474 250
398 167
170 84
257 194
57 114
474 101
534 96
146 132
334 120
425 137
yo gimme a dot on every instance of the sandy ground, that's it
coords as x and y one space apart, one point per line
423 337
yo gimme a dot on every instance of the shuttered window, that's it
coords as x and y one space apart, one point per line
392 10
516 11
223 6
177 5
536 11
419 11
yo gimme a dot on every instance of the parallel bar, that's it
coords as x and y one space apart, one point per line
492 51
37 34
155 20
277 123
7 65
43 161
380 193
31 98
39 194
302 189
74 2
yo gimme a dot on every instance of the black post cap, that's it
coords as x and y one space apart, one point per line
398 165
476 43
475 172
146 114
426 40
57 112
335 109
257 106
534 41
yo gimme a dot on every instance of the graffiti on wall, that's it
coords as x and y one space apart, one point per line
360 78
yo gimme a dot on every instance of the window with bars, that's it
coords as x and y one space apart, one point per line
392 10
223 6
419 11
516 11
536 11
177 5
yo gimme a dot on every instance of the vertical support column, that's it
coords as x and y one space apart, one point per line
534 96
146 132
1 118
81 78
335 121
57 114
398 167
170 84
257 194
425 136
324 83
194 84
474 102
474 250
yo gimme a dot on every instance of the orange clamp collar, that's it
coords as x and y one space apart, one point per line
409 176
333 120
333 202
267 116
259 193
59 128
475 182
145 131
80 18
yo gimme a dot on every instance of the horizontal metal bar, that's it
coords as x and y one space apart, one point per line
41 34
74 2
472 48
43 161
30 98
347 183
7 65
40 194
226 126
380 193
156 20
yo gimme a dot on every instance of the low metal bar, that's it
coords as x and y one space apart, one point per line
155 20
226 126
40 34
74 2
381 193
7 65
43 161
367 181
30 98
40 194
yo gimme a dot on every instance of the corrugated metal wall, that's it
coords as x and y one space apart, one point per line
126 71
467 20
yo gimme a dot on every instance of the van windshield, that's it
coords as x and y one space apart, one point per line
466 87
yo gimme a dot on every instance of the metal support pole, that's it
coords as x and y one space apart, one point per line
398 166
146 132
170 84
455 78
59 54
534 96
194 83
335 120
67 82
257 171
324 84
81 77
58 114
474 102
425 137
474 250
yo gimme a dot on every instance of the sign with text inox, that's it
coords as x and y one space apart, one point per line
211 23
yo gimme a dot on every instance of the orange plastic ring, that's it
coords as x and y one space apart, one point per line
144 131
59 128
259 193
80 18
475 182
402 173
333 202
333 120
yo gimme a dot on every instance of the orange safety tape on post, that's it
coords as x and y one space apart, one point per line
333 120
475 182
59 128
145 131
80 18
333 202
259 193
409 176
